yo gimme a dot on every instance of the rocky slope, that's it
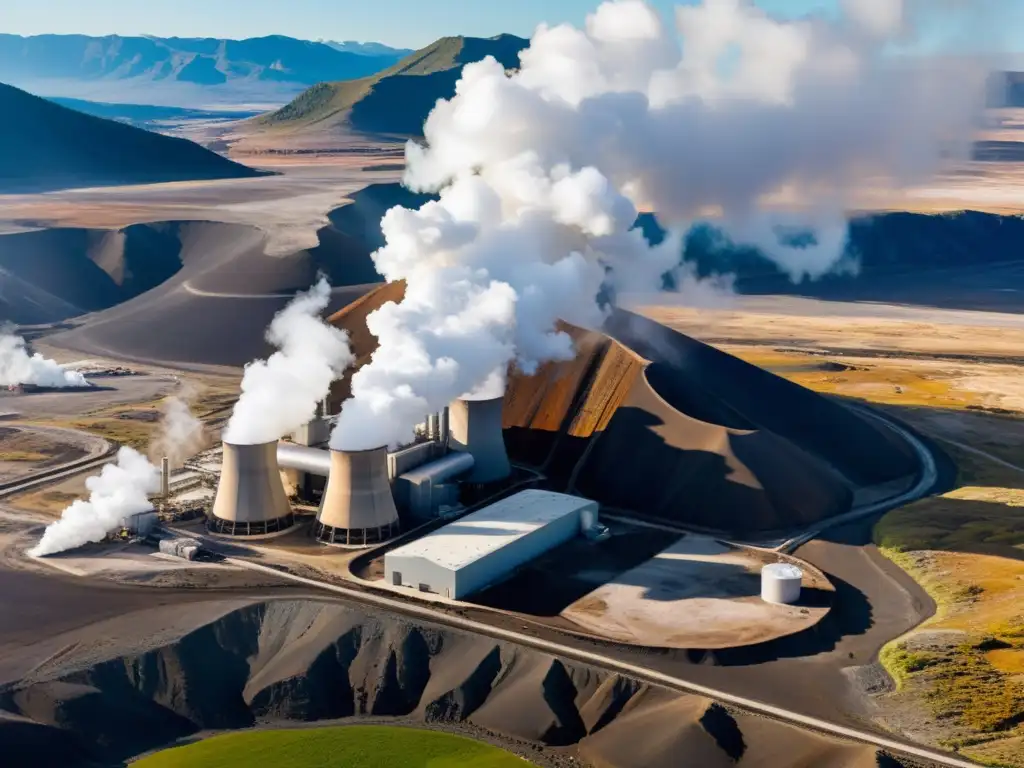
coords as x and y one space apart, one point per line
135 683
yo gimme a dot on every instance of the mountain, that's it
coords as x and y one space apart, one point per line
367 49
396 100
47 146
112 65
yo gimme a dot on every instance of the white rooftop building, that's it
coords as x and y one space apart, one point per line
487 545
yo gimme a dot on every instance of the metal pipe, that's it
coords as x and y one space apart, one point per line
314 461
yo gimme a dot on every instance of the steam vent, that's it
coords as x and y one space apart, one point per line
475 428
357 506
250 497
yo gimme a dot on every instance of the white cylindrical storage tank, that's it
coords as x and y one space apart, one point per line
250 497
780 583
475 427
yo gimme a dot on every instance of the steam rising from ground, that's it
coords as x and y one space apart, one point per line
181 433
280 394
18 367
541 173
121 489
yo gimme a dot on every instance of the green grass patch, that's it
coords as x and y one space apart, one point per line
901 663
354 746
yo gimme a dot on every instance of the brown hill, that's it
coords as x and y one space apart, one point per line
47 146
652 421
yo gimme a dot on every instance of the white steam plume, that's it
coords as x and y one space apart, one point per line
541 173
181 433
18 367
280 394
121 489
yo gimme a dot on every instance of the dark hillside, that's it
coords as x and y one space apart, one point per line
44 146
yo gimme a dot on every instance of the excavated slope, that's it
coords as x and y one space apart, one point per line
652 421
192 292
141 681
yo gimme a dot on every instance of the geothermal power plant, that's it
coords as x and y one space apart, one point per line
363 494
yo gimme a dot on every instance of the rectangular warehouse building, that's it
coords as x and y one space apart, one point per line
487 545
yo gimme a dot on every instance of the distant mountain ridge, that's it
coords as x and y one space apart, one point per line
367 49
46 146
52 64
396 100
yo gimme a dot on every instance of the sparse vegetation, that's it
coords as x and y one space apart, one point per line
22 456
901 663
349 746
965 549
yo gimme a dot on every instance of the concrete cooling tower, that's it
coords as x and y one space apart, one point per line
250 497
475 428
357 506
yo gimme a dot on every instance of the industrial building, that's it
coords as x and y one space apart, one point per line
485 546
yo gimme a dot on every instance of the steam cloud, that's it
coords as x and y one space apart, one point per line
541 173
18 367
181 433
280 394
119 490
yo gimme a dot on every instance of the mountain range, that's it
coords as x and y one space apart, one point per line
168 70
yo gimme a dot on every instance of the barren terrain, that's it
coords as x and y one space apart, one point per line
957 377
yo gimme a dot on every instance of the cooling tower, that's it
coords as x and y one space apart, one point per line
475 427
250 497
357 507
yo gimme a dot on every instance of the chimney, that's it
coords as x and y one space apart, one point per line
444 429
357 508
475 428
250 497
165 478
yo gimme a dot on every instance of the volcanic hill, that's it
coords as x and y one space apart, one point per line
396 100
48 147
649 420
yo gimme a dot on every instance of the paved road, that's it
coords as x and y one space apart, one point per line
101 451
926 481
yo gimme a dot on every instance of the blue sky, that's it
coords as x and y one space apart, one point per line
983 25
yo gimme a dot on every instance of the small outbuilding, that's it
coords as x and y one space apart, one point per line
485 546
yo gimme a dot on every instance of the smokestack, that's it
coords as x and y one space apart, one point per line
444 429
165 478
475 428
432 430
357 506
250 497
